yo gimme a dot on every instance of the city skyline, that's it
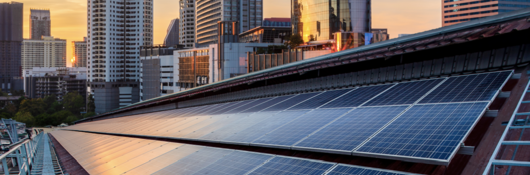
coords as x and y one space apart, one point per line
69 16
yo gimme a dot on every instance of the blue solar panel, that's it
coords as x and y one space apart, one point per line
235 163
404 93
356 170
257 130
320 99
288 166
229 107
301 127
291 102
249 104
357 96
195 162
237 126
351 130
481 87
268 104
428 131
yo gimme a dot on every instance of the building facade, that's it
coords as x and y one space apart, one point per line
40 82
249 13
11 21
80 53
317 24
40 24
187 23
116 30
157 72
48 52
458 11
172 36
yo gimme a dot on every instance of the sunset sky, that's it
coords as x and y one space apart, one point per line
400 17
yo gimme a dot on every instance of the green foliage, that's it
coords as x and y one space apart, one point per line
73 102
43 119
25 117
11 108
89 114
71 119
91 105
60 117
294 41
33 106
5 115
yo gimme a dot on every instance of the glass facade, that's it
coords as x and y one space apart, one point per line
317 20
458 11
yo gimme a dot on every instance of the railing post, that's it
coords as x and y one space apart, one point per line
4 164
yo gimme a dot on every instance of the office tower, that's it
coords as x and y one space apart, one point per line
342 15
10 46
48 52
40 24
457 11
40 82
79 58
249 13
172 36
116 30
187 23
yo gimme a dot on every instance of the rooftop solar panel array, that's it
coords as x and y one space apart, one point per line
104 154
422 120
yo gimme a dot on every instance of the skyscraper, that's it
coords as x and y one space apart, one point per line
187 23
313 22
172 36
10 46
457 11
249 13
40 23
116 30
79 58
45 52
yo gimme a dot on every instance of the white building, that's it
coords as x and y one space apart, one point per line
249 13
116 30
187 23
48 52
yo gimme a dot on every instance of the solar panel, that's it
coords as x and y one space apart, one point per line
268 104
210 124
291 102
357 96
235 163
404 93
352 129
320 99
255 131
428 131
342 169
195 162
249 104
301 127
481 87
229 107
284 165
234 127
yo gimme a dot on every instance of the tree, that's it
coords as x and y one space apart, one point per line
71 119
89 114
73 102
5 115
33 106
11 108
54 107
91 105
294 41
25 117
59 117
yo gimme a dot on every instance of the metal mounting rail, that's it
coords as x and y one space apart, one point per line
514 123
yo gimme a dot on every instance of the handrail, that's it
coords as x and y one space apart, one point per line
13 149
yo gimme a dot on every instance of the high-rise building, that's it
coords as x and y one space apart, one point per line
79 58
40 23
249 13
315 23
458 11
116 30
187 23
40 82
10 46
172 36
48 52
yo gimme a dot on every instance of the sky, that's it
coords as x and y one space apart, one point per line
398 16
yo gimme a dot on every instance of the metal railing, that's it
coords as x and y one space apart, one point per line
512 125
20 156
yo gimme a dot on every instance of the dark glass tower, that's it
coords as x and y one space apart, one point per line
10 46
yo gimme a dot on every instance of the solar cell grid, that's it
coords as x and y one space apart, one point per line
352 129
284 165
301 127
357 96
356 170
427 131
291 102
194 162
201 130
249 104
234 127
320 99
404 93
255 131
268 103
228 107
237 162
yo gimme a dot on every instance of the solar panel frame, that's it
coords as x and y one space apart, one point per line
389 97
363 170
321 99
338 103
269 103
286 104
325 166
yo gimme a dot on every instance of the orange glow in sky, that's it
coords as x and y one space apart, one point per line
400 17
